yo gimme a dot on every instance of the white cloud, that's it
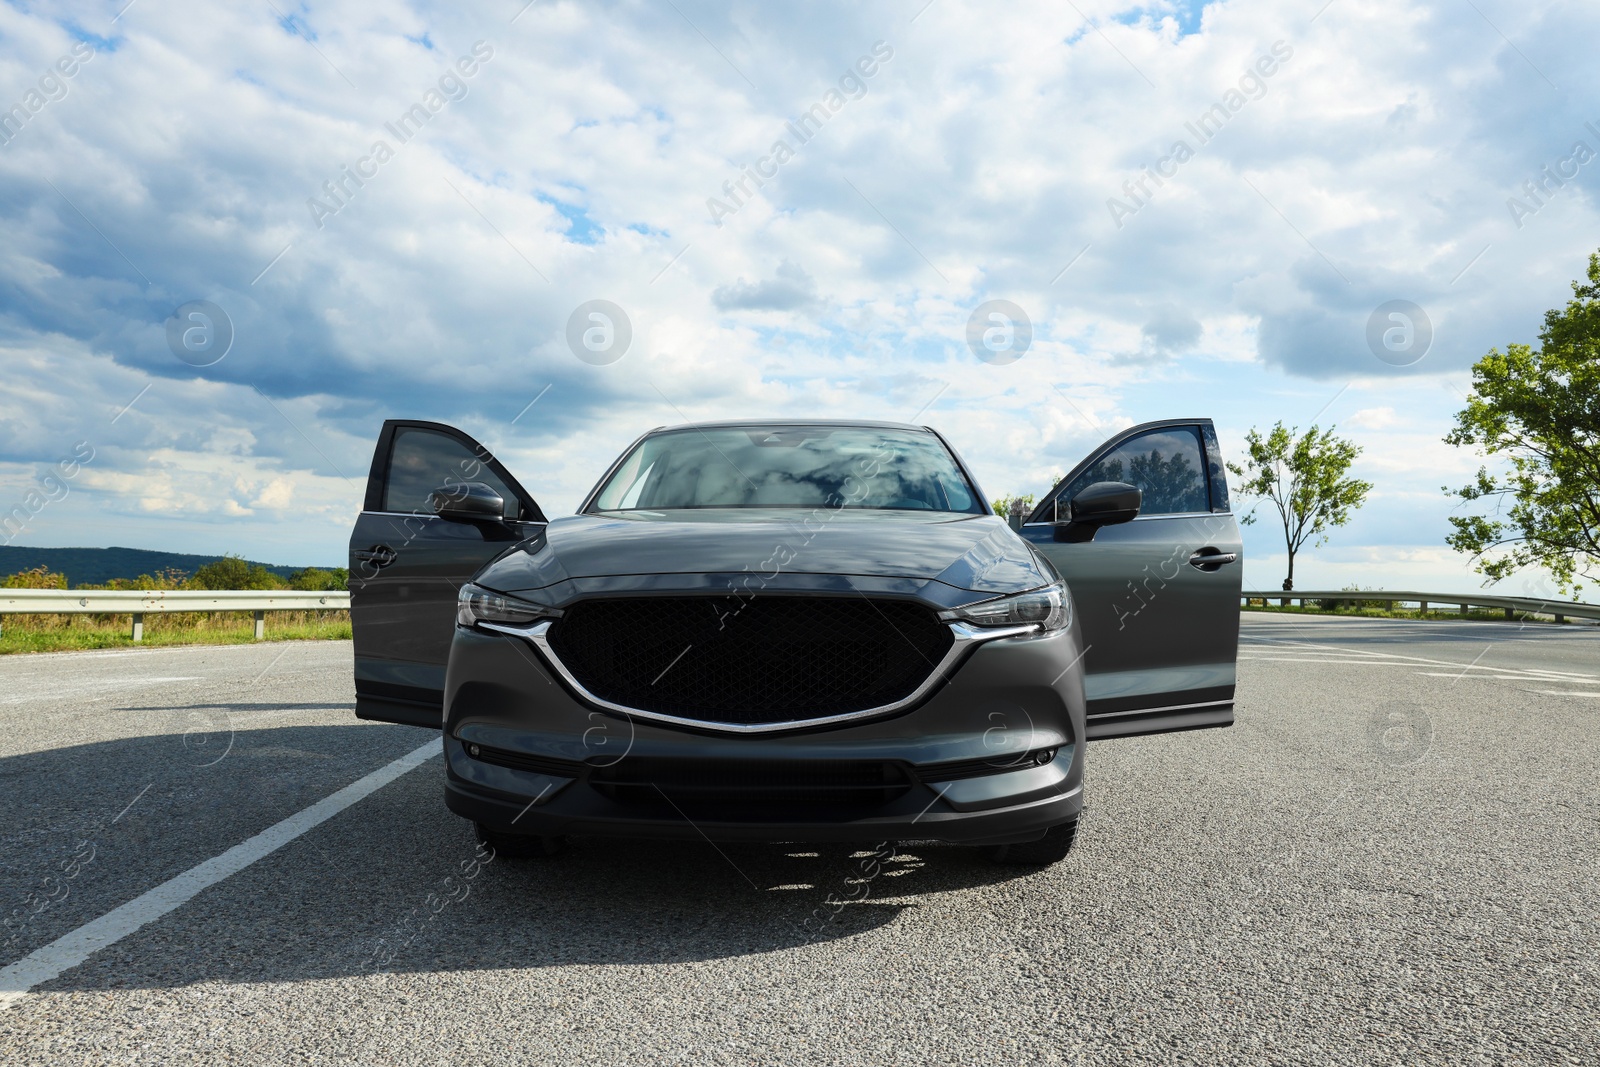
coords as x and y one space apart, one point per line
275 495
977 165
1373 419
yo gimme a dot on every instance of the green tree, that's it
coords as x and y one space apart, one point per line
1306 478
1002 505
232 572
171 578
317 579
1539 409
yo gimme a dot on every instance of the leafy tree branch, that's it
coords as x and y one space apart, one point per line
1538 410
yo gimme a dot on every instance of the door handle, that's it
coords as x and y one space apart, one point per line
1209 559
377 555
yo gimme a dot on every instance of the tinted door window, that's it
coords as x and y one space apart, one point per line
423 461
1167 465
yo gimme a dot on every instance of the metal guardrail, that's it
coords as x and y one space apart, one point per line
140 602
1561 609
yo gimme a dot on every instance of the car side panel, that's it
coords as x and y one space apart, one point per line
405 571
402 615
1160 633
1153 637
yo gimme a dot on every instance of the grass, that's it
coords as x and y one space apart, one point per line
1473 615
61 633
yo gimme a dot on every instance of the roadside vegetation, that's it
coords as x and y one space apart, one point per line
54 633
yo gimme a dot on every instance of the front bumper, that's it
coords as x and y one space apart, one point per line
549 763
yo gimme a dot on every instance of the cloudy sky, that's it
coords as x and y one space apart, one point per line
397 209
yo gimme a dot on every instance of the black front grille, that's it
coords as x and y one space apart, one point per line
764 659
736 789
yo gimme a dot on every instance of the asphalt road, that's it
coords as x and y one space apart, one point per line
1390 858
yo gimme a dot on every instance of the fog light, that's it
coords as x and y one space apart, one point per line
472 750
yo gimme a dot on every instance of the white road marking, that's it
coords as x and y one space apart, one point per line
1511 674
1496 674
1325 659
1306 652
1491 674
71 949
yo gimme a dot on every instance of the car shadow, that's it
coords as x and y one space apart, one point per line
396 882
652 903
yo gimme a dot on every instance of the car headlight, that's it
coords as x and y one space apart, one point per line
1049 609
477 604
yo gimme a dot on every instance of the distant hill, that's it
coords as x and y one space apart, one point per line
95 566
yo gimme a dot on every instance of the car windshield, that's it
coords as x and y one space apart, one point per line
789 467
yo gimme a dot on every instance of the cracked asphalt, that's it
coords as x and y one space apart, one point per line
1390 858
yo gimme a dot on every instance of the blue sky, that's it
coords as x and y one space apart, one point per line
1357 153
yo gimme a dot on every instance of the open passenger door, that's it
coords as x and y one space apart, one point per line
438 507
1158 596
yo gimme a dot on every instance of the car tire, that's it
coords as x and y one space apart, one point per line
519 846
1051 848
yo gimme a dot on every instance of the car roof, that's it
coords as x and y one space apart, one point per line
765 424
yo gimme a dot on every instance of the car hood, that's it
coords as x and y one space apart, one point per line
777 548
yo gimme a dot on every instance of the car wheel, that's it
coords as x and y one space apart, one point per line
519 846
1053 846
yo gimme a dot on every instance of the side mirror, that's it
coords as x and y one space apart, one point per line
1097 505
468 502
